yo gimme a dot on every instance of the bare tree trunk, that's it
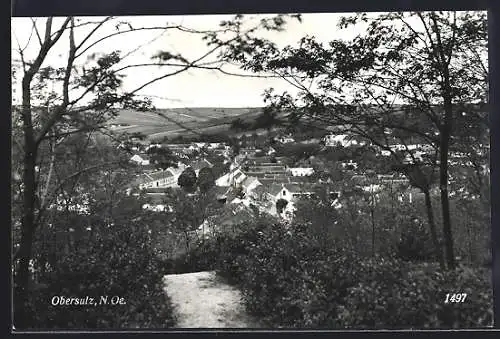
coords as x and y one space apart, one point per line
443 185
372 216
28 219
49 177
445 129
432 227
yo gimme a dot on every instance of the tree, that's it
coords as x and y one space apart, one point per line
187 180
206 179
280 205
162 157
87 91
189 212
321 218
405 80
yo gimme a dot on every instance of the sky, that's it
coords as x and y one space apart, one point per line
194 88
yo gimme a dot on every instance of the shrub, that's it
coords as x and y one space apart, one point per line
415 243
107 261
416 300
291 279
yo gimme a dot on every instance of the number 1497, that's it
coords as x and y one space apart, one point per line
455 297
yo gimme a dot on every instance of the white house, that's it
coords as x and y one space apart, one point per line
157 208
350 163
398 147
235 177
374 188
290 193
343 140
159 179
301 171
249 184
286 140
153 146
141 160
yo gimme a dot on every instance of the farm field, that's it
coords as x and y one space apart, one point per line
175 121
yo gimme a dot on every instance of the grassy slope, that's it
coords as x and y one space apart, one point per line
175 121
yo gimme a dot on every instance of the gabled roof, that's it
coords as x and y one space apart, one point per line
274 189
198 165
248 180
158 175
141 155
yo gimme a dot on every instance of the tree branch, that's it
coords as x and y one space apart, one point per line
35 28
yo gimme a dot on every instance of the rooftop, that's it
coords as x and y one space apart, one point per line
156 176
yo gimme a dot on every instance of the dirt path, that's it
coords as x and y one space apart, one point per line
201 300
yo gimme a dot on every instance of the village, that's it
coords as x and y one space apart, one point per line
270 171
257 178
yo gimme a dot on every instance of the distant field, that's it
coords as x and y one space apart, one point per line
182 121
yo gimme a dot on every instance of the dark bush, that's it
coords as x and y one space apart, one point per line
415 243
290 279
417 300
110 260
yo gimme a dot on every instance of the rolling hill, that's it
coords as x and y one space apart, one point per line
171 122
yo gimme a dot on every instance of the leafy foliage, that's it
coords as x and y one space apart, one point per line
162 157
415 243
404 80
206 179
289 279
96 259
281 204
187 180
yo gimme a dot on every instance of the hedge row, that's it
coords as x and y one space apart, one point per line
290 280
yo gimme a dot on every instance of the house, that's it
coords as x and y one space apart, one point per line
198 165
290 193
235 177
157 208
249 184
153 146
140 159
343 140
286 140
297 190
349 165
372 188
301 171
158 179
